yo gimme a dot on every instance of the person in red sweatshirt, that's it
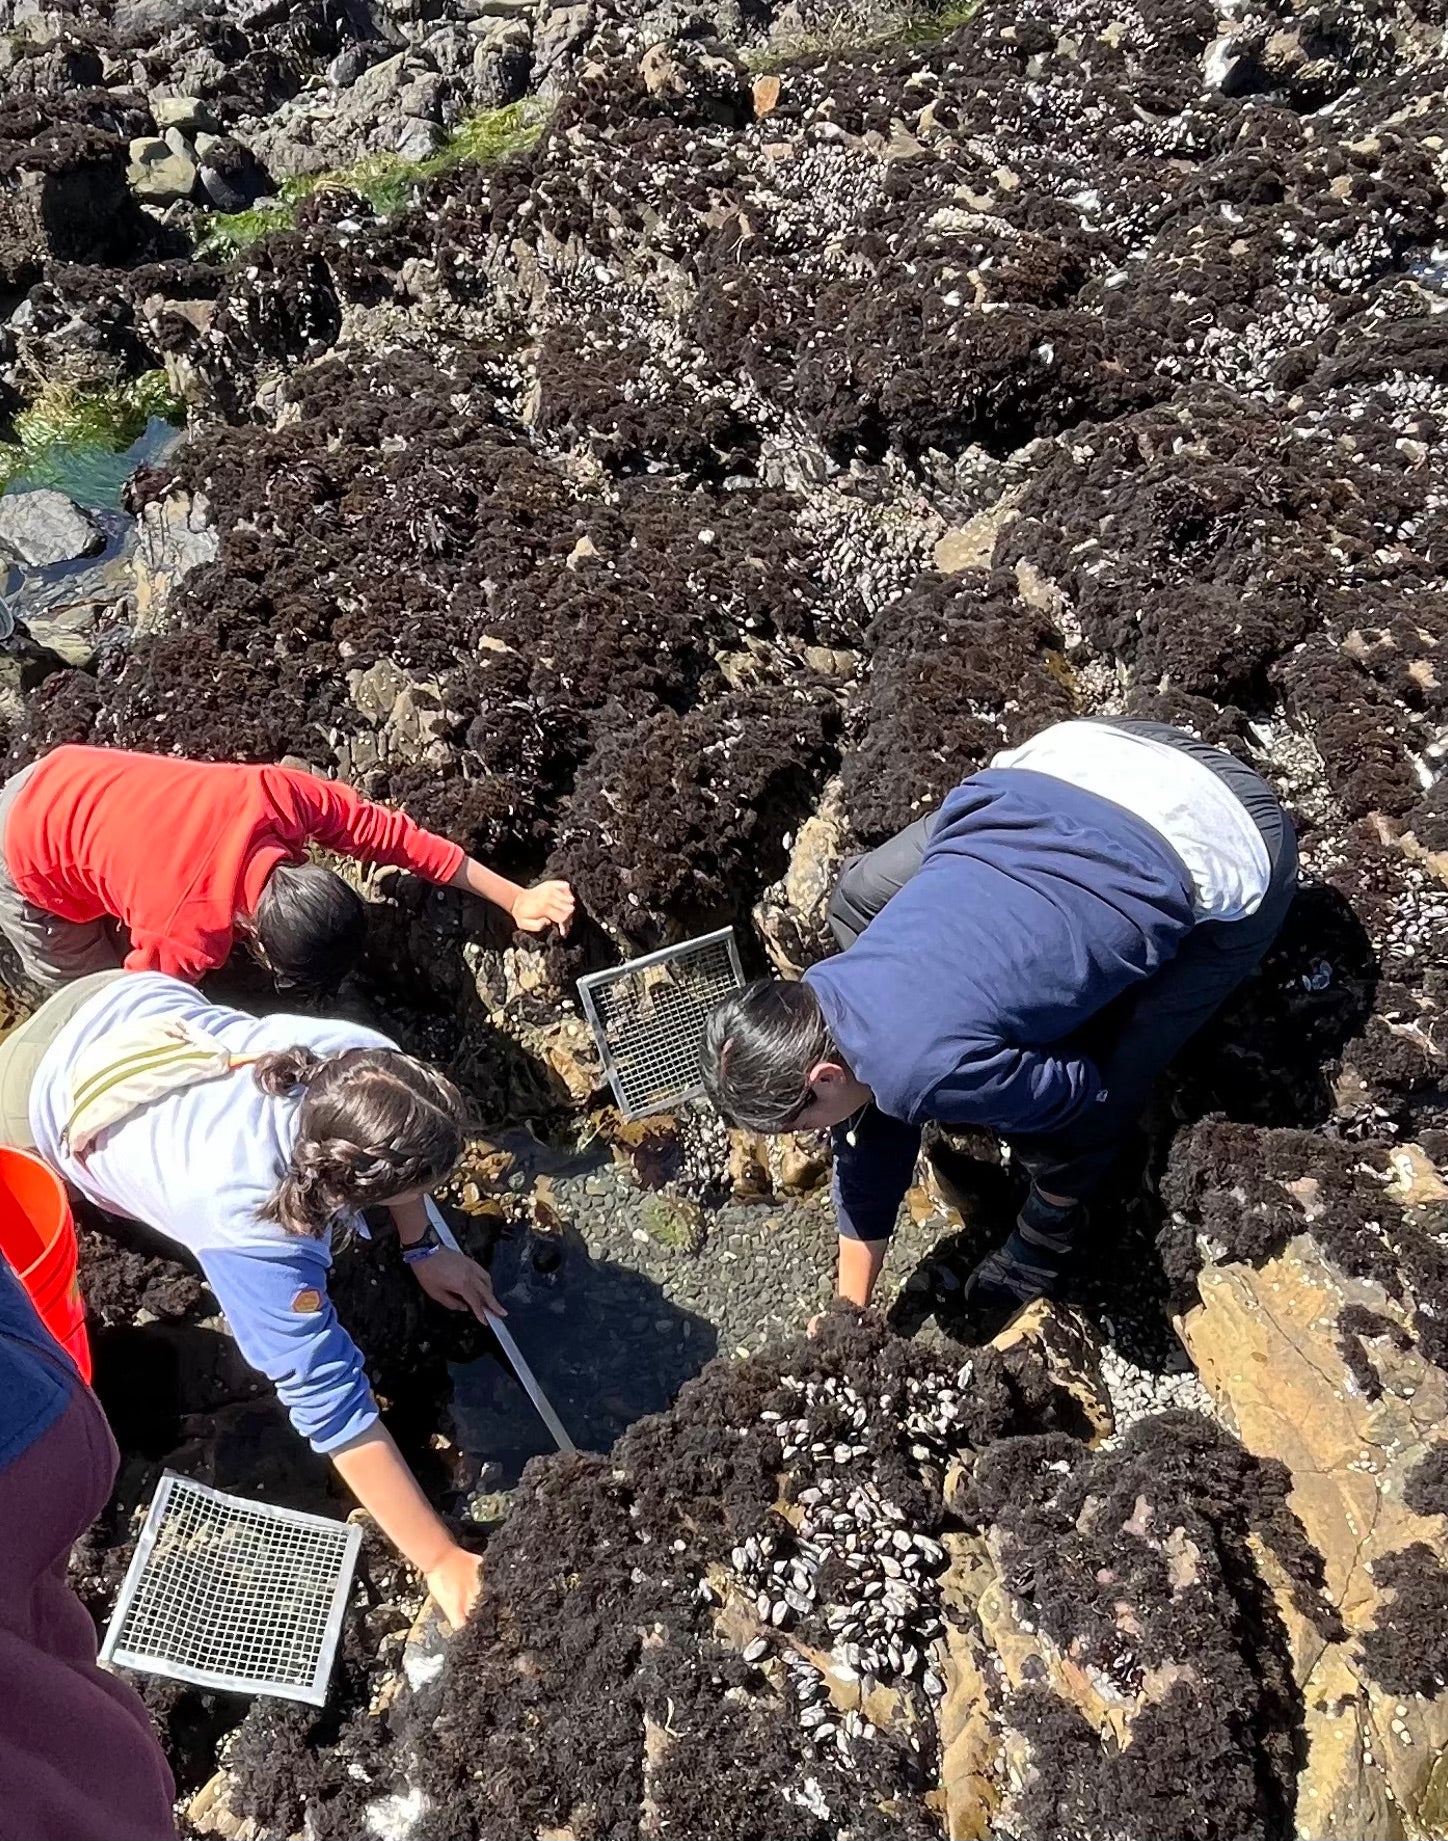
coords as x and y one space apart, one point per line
161 865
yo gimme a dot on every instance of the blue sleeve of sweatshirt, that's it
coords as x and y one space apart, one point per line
36 1378
315 1364
872 1174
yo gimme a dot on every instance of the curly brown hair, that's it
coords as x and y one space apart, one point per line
373 1124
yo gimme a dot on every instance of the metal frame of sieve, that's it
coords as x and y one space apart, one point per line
648 1018
226 1593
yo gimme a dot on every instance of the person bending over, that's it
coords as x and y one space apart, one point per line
1027 958
252 1142
109 858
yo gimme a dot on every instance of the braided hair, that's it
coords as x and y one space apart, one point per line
373 1124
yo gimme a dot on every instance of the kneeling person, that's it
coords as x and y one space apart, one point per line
1028 958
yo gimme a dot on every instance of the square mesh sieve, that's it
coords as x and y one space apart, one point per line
227 1593
648 1018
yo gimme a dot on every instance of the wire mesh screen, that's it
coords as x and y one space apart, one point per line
648 1018
227 1593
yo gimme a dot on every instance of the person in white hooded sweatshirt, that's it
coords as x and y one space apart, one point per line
251 1142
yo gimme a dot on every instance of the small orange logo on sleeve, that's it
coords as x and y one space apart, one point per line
308 1301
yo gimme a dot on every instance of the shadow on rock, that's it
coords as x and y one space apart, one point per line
606 1344
1268 1058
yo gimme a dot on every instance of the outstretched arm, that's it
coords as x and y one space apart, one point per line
376 1473
548 903
328 813
275 1299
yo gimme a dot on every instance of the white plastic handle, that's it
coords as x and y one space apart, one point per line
510 1348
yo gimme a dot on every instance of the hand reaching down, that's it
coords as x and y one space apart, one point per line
455 1583
458 1282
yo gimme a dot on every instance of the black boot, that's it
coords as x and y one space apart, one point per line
1033 1260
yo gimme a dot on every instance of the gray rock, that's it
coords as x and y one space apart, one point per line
451 49
231 176
559 34
43 527
347 66
501 73
419 138
184 112
500 34
376 87
160 173
220 191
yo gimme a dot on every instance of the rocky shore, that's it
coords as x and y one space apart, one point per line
670 449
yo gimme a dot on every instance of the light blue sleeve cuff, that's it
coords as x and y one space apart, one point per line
275 1297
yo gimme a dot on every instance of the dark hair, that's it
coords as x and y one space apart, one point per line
310 925
373 1123
759 1047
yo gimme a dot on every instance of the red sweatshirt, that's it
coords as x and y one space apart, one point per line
175 850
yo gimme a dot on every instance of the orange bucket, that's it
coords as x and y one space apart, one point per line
37 1236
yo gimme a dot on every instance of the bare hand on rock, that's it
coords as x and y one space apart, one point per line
455 1582
548 904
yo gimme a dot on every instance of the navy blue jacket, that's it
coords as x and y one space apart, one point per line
37 1377
1035 905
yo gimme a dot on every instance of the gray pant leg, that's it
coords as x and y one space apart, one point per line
867 882
51 951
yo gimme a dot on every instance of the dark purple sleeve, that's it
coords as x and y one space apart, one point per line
78 1755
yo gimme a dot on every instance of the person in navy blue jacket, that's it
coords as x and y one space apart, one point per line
1028 958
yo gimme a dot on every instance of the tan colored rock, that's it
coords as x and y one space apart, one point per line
831 662
764 1168
1038 590
1435 861
661 73
970 1739
800 1162
1067 1346
899 144
972 544
210 1813
766 95
174 536
567 1047
756 662
749 1178
648 1148
1266 1343
1416 1180
162 169
791 915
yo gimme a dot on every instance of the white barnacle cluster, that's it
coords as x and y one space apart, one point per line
844 1573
